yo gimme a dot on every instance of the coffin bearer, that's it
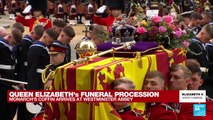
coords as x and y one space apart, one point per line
124 108
38 9
155 81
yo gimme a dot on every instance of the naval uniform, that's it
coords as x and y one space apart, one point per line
209 49
22 51
23 48
7 65
37 59
198 52
209 82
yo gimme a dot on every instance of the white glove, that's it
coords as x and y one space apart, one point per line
101 9
27 9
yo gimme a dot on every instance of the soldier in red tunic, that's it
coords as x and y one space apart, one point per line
116 7
186 109
2 7
61 9
123 108
90 9
155 81
72 13
12 5
39 9
58 9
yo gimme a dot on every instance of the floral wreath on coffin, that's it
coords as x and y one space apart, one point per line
162 30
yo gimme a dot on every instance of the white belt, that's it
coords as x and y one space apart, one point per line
25 63
39 70
203 69
7 67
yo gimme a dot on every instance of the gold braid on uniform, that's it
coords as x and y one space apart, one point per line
46 77
37 22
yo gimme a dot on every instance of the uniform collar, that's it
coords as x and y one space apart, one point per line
197 40
3 40
208 44
5 43
55 66
124 109
40 43
61 64
28 38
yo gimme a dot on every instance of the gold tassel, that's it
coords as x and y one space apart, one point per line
170 53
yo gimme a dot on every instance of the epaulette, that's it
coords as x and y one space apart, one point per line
47 74
168 108
47 66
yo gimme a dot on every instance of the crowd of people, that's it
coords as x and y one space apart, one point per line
34 57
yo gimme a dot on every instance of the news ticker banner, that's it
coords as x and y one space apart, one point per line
182 96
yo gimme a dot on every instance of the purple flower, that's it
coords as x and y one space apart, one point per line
141 30
185 44
156 19
177 33
184 32
138 24
168 19
162 29
132 18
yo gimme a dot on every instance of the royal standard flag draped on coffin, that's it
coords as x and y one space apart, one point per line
98 75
